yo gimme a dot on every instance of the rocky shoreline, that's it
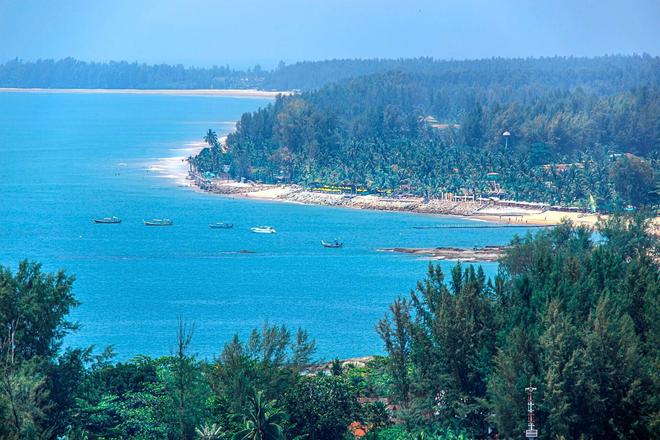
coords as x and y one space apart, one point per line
475 255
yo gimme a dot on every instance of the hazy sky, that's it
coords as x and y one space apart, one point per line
242 32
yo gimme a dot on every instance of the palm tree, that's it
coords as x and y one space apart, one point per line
262 420
211 138
206 432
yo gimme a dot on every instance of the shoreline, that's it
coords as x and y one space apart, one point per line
232 93
177 169
471 210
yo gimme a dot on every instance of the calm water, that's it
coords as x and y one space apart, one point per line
68 158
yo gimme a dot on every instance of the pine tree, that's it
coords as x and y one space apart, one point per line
613 380
560 359
395 333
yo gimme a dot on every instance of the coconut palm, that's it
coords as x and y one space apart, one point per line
206 432
262 420
211 138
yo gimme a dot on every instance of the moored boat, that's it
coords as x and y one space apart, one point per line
107 220
263 230
221 225
332 244
158 222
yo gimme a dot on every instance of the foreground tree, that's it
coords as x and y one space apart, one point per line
33 310
270 361
395 332
24 401
321 407
452 340
574 316
262 420
186 384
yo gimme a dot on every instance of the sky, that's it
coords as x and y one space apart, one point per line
245 32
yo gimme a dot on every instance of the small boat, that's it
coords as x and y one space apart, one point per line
332 244
108 220
158 222
263 230
221 225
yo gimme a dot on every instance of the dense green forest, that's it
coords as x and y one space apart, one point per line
605 74
72 73
558 130
572 313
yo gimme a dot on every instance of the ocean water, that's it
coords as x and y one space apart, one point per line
67 158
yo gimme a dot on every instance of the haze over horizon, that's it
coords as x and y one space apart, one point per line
241 34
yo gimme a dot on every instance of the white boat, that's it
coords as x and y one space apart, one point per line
263 230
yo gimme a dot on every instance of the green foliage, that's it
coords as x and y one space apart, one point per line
400 432
321 407
145 398
633 179
262 420
336 368
376 415
185 385
71 73
33 309
23 402
396 335
269 361
371 380
573 316
136 415
570 326
600 73
453 340
206 432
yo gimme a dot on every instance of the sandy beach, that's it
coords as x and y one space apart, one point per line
177 169
488 212
233 93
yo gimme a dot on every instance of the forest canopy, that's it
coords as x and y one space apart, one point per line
602 73
554 130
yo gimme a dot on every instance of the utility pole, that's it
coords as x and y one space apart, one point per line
531 431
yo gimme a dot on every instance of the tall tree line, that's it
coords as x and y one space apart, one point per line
602 74
72 73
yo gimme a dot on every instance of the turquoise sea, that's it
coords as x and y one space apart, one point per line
67 158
